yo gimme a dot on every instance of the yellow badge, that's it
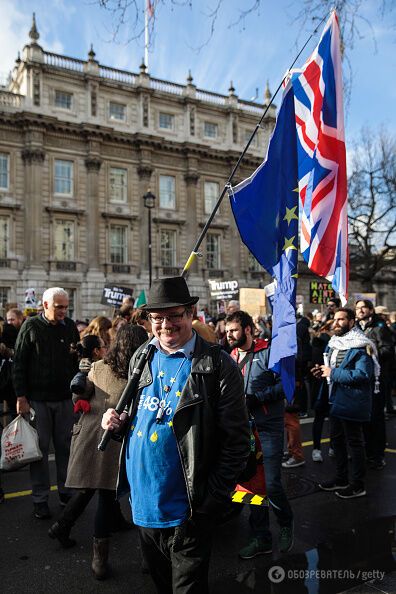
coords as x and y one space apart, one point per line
154 437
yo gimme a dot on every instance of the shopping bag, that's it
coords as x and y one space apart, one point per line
19 444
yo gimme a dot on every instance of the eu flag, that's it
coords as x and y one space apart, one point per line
265 207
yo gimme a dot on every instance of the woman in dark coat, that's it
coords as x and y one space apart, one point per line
90 470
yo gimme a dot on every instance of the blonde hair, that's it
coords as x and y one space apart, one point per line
99 326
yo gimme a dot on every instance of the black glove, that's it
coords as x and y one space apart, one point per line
252 402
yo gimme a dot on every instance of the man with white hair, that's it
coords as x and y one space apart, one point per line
43 369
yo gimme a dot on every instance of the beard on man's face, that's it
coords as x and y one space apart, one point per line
237 344
340 331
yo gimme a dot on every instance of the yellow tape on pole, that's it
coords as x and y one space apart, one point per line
190 261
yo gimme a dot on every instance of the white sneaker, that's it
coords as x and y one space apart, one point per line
317 456
293 463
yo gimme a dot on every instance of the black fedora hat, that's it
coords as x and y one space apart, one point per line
169 292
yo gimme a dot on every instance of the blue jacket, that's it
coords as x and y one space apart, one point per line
264 384
352 387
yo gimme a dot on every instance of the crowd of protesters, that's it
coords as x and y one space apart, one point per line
71 372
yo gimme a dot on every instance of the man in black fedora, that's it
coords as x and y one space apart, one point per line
186 441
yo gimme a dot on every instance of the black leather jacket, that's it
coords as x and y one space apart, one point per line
210 425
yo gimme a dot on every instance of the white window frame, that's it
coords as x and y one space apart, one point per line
168 252
211 195
61 95
118 185
167 196
64 179
5 228
5 158
209 251
211 126
65 245
117 111
166 118
114 259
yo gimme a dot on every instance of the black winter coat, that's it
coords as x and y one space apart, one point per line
43 365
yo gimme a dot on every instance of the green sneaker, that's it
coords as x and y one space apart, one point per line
255 547
286 538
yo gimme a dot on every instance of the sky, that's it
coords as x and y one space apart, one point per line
258 49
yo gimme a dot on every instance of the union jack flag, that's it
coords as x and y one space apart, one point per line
322 160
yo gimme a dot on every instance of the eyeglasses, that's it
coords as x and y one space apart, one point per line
61 307
173 318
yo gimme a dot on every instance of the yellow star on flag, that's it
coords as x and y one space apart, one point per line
290 214
172 380
289 244
139 434
161 374
170 423
178 393
154 437
132 427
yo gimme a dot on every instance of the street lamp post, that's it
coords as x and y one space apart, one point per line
149 202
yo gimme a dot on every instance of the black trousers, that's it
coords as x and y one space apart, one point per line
343 433
375 429
107 510
182 569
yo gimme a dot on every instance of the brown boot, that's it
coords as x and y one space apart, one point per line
100 558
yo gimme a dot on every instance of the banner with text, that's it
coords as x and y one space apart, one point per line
113 295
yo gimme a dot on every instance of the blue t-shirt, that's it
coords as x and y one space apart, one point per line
158 489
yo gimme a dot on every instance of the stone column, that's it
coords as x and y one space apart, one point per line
33 159
93 165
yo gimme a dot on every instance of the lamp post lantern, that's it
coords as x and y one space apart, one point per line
149 203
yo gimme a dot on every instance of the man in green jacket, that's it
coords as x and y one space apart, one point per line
43 368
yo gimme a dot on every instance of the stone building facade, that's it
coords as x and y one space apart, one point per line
80 145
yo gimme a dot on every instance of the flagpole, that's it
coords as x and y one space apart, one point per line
146 35
192 257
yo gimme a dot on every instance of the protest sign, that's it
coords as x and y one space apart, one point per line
113 295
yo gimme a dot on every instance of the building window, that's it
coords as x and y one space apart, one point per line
117 111
4 297
63 177
168 247
211 191
4 171
63 100
166 121
210 130
213 251
118 184
253 265
167 192
118 244
248 134
72 303
4 237
64 240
